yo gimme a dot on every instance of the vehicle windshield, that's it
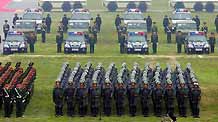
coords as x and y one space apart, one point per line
11 38
182 16
197 38
25 25
75 38
186 26
136 38
140 26
133 16
78 25
32 16
81 16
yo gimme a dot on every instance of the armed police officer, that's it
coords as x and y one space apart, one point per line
179 41
204 28
132 97
107 94
120 92
198 22
145 93
117 21
195 100
43 31
58 97
122 42
95 93
6 28
8 101
216 23
157 97
15 18
149 23
212 42
65 22
165 22
82 98
69 95
181 95
169 97
98 22
154 40
59 42
48 22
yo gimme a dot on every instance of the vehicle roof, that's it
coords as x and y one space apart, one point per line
26 21
185 21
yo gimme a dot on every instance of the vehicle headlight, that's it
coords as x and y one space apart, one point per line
6 45
22 45
145 45
206 46
67 45
83 45
190 45
129 45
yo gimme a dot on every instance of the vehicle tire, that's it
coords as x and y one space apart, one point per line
143 6
209 7
112 6
131 5
179 5
66 6
77 5
198 6
47 6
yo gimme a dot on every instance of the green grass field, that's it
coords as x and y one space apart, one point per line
48 64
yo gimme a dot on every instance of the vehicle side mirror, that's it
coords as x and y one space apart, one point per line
91 18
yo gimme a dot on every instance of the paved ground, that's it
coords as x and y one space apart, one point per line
9 7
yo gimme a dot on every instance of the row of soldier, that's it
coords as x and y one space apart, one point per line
98 88
16 88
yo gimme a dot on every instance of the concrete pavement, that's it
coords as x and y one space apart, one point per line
9 7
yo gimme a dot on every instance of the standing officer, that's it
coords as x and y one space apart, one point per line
98 22
120 98
181 95
20 100
154 41
165 22
43 31
15 18
132 96
169 97
8 101
157 96
198 22
179 41
216 23
82 98
205 28
154 27
31 41
6 28
0 39
59 42
69 95
122 43
95 31
58 97
145 93
149 23
169 33
117 22
95 99
48 22
107 94
195 100
92 42
65 23
212 42
61 30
